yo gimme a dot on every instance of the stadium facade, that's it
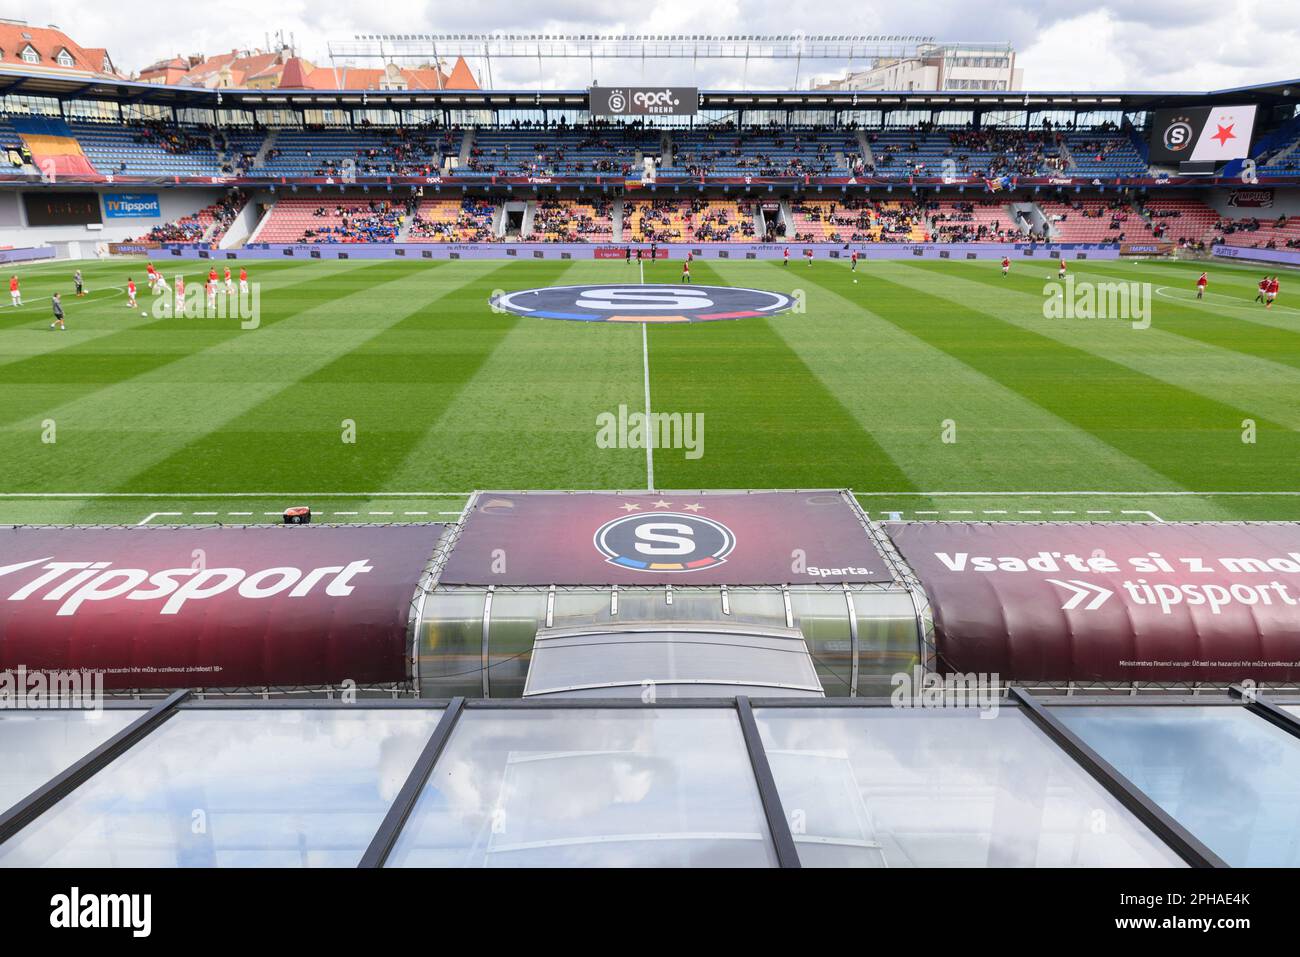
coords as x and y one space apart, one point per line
199 171
766 678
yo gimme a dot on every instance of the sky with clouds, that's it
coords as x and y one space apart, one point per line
1061 44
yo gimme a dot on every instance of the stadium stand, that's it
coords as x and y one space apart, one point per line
1093 221
858 220
927 150
453 221
556 221
986 221
559 150
1182 221
1280 233
1104 155
316 220
337 154
147 149
785 151
208 225
695 220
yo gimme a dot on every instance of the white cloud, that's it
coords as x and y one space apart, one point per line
1117 44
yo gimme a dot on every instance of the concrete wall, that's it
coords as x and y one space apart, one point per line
1285 202
80 241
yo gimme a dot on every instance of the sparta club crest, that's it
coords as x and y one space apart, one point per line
643 303
669 542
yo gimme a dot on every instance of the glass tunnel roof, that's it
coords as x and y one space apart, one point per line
1022 782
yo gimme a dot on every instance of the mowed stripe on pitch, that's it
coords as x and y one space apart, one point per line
1191 439
109 435
906 391
1264 390
1195 320
527 417
770 421
101 350
387 390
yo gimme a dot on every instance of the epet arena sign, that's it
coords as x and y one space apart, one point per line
643 100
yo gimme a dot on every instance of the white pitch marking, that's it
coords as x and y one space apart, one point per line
379 513
206 513
239 513
649 446
1153 515
152 515
1092 494
207 495
910 494
1032 511
1098 511
960 512
993 511
343 513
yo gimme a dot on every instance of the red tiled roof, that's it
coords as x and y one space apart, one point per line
48 42
461 78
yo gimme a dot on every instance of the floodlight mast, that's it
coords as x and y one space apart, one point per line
430 47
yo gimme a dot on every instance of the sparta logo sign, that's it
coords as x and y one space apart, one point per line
643 303
1178 135
667 542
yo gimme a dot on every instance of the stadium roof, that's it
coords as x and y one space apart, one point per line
80 88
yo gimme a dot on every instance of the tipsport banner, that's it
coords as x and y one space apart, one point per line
212 607
1111 602
668 538
643 100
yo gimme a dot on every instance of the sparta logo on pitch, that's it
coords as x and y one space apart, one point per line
643 303
665 542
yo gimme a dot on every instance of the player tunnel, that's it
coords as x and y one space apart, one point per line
777 594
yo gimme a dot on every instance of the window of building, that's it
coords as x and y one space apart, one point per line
30 55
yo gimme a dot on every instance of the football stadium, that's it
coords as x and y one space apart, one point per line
403 468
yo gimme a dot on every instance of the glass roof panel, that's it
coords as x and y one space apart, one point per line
37 745
893 787
598 787
235 788
1226 775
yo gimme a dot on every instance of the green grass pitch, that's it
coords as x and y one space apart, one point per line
130 419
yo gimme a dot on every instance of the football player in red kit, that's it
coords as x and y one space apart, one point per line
1006 265
1201 283
1272 292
